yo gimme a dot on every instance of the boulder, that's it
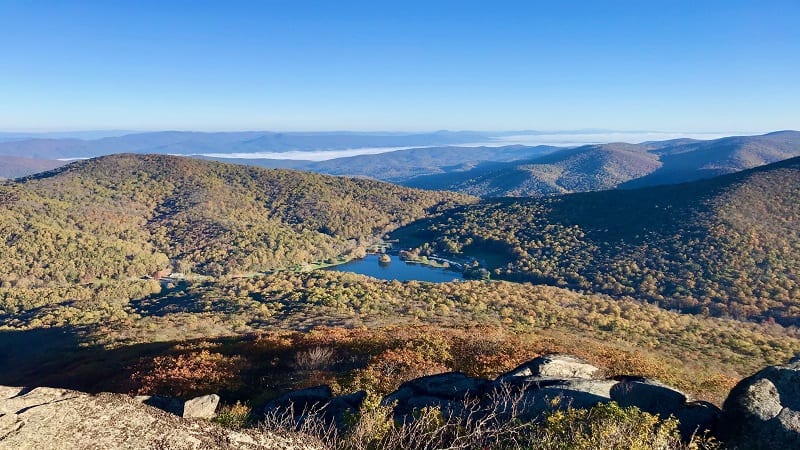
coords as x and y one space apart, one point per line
7 392
546 395
317 400
447 391
763 410
203 407
338 409
698 418
650 396
302 401
451 385
553 366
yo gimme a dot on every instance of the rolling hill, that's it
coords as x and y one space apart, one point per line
725 246
129 215
187 142
587 168
439 163
692 160
609 166
400 165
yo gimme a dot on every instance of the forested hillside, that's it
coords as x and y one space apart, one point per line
727 246
609 166
401 165
686 160
385 332
587 168
130 215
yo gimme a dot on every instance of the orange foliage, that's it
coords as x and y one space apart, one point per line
189 374
393 367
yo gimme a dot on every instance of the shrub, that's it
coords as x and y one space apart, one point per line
234 416
391 368
315 358
608 426
498 426
188 374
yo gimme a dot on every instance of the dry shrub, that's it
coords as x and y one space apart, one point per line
188 374
488 355
314 358
270 343
496 425
393 367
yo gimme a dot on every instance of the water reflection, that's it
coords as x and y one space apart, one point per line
396 269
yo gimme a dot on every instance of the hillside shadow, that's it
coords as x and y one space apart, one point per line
59 357
170 300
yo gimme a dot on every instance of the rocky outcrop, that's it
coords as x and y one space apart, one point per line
545 383
763 410
446 391
318 401
553 366
59 418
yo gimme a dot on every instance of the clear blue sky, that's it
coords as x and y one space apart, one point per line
694 65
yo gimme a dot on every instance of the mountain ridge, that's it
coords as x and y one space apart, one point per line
725 246
633 165
193 142
128 215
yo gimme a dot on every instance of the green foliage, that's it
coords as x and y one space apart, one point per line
72 305
587 168
235 416
727 247
609 427
126 216
371 425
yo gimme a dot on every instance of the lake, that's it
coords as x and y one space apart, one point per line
397 270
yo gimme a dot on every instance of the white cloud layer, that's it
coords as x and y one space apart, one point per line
554 139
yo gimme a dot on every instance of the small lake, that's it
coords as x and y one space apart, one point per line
397 270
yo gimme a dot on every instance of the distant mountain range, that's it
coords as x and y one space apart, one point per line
609 166
587 168
523 171
402 165
188 142
686 160
442 162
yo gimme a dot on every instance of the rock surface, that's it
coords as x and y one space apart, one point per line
763 410
543 384
447 391
202 407
318 399
59 418
554 366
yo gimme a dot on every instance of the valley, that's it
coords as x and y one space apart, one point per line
726 246
694 284
416 225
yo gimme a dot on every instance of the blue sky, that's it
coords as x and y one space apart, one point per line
400 65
